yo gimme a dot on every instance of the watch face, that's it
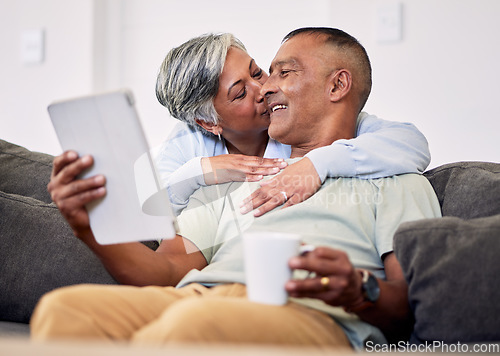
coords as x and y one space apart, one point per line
371 288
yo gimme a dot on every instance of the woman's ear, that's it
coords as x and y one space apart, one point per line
210 127
340 84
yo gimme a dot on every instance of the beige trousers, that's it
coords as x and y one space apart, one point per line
158 315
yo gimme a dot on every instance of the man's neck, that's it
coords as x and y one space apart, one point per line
302 150
338 130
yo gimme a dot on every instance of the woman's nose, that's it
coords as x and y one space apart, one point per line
268 87
257 87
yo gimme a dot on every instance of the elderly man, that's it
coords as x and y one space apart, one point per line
319 81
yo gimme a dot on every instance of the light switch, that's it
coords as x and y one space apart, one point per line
389 22
32 46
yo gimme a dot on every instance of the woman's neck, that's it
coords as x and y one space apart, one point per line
249 145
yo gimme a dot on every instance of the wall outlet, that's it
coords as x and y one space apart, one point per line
389 20
32 46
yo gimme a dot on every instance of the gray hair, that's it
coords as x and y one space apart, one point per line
188 79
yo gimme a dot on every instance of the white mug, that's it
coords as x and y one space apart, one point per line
266 257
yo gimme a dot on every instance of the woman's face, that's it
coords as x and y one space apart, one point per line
238 102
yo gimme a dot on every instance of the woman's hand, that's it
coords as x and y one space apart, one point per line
293 185
337 282
71 194
238 168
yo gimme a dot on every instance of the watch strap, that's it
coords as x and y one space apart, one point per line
364 303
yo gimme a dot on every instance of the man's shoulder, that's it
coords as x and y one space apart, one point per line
413 188
406 177
410 181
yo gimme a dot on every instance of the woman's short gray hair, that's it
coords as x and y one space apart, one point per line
188 79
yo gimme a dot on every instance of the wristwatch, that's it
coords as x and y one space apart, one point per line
370 292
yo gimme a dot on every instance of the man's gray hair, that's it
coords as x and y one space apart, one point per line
188 79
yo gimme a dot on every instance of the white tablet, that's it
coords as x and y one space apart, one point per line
107 127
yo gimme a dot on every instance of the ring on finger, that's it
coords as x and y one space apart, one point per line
325 283
284 194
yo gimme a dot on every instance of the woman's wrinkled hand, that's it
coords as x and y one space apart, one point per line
293 185
71 194
239 168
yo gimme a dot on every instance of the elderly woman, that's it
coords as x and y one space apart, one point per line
213 85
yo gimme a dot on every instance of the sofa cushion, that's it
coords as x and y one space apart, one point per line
467 189
452 270
38 252
33 169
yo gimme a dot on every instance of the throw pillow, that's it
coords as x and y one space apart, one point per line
452 270
24 172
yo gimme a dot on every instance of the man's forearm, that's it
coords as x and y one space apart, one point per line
136 264
391 313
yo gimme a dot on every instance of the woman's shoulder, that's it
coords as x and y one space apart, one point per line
181 129
190 141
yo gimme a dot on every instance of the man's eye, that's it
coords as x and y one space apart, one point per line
284 72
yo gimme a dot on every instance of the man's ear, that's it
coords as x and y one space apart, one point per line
210 127
340 84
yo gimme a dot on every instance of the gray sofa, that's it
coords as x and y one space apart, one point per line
450 263
38 251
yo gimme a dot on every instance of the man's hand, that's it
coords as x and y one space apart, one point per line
293 185
238 168
338 283
71 194
129 263
344 282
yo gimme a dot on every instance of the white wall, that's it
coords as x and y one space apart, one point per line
26 90
152 27
442 76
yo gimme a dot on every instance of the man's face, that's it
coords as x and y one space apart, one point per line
297 90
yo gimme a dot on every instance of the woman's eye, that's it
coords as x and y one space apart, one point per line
241 94
258 74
